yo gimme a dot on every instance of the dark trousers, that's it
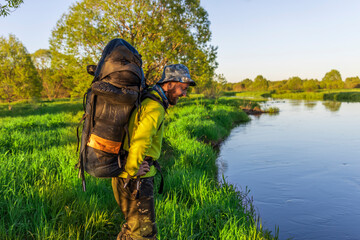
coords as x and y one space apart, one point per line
139 212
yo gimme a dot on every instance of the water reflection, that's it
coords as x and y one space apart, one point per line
332 106
310 104
295 103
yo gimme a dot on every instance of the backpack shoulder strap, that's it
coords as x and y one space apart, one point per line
153 97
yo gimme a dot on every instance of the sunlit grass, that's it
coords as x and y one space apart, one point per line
41 196
346 95
260 95
271 110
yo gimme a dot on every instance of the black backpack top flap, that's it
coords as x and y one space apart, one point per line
118 56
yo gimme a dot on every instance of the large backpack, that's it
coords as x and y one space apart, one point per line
115 91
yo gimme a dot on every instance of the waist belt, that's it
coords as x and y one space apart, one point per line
151 162
156 164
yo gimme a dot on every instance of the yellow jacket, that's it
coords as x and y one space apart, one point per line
146 135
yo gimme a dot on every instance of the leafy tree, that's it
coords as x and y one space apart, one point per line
238 86
246 83
52 78
294 83
216 87
19 79
220 79
228 87
352 82
243 85
277 85
9 6
220 82
332 80
260 83
311 85
163 31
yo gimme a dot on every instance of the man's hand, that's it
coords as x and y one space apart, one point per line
143 169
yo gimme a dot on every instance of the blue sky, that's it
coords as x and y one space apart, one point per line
275 38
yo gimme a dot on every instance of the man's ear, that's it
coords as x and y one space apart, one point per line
167 86
171 85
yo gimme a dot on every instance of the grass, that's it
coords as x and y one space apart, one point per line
261 95
41 196
352 96
343 95
271 110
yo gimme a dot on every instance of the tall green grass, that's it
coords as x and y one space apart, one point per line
352 96
343 95
41 196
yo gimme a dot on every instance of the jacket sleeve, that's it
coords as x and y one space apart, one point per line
151 117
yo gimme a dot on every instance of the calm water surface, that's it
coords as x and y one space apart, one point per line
302 167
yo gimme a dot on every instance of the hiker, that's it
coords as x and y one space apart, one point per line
133 188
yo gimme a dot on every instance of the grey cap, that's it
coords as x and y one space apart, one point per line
176 73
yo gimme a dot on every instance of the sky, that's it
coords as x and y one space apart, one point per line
274 38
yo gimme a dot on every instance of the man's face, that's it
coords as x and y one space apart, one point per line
175 90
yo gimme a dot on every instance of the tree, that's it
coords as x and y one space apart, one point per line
243 85
277 85
19 78
260 83
9 6
294 83
238 86
246 83
352 82
163 31
217 86
52 79
311 85
332 80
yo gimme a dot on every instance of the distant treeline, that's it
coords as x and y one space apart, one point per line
331 80
60 71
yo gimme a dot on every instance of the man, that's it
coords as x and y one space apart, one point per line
133 189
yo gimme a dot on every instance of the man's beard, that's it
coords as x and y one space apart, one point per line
170 94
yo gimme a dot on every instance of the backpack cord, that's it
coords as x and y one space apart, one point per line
157 166
83 177
139 104
81 163
77 131
126 128
81 167
82 119
84 100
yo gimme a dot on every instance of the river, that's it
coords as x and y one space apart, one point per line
302 167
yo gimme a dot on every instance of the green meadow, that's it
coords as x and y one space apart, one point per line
41 196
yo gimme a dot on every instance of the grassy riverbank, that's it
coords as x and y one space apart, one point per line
41 196
342 95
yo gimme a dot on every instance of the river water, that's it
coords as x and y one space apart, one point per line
302 167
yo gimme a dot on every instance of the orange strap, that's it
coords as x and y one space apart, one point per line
104 144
